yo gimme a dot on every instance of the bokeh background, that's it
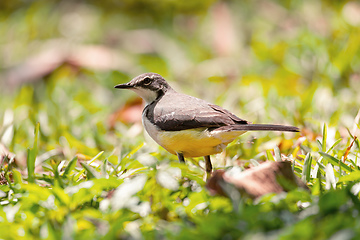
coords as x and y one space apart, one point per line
281 61
288 62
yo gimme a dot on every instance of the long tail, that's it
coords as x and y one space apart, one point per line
259 127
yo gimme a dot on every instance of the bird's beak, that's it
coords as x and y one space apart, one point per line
124 86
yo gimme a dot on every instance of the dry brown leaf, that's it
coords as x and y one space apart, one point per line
129 113
348 149
58 53
269 177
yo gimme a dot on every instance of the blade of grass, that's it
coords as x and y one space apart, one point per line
324 138
16 176
96 157
70 166
103 169
336 162
353 163
358 143
321 167
90 172
269 156
31 156
319 143
126 159
57 179
354 176
334 145
305 175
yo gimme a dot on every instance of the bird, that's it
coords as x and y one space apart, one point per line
187 126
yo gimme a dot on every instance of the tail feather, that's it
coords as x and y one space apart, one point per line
259 127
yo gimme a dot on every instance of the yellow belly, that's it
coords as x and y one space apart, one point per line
192 142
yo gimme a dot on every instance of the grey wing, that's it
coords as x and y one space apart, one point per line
235 118
185 112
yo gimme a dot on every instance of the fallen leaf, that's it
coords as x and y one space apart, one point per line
268 177
129 113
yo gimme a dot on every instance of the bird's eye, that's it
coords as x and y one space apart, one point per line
146 81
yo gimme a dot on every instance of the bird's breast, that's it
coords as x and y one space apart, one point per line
151 128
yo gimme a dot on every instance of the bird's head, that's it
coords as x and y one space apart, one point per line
149 86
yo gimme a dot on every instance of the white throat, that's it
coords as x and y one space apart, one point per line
146 94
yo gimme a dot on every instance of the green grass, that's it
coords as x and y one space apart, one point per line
69 169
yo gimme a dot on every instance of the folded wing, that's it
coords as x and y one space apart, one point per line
175 113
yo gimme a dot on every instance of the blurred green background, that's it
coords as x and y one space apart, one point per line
288 62
280 61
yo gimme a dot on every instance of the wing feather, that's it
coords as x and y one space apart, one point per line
176 111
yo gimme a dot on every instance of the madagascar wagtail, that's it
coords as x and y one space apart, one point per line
188 126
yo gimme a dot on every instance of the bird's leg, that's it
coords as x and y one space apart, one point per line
181 160
180 157
208 166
